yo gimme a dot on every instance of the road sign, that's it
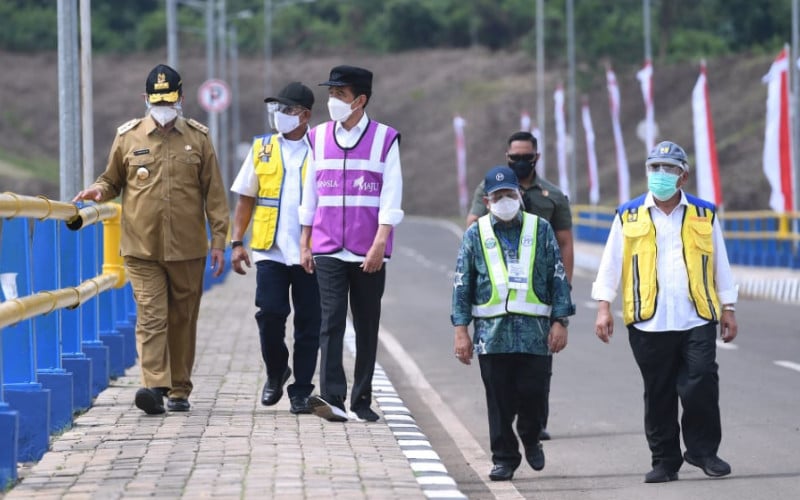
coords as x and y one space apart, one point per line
214 95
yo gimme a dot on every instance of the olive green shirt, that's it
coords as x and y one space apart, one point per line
542 198
170 185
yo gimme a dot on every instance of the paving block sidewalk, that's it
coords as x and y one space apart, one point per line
228 445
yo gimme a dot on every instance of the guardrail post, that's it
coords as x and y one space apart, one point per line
92 346
110 234
9 430
73 358
126 321
49 371
21 391
9 434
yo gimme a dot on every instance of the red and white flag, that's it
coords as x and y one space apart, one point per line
561 140
623 175
705 148
461 163
591 155
645 77
777 136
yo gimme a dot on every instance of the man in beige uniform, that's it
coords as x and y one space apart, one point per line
166 169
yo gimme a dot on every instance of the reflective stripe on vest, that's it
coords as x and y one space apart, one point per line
504 301
639 261
269 168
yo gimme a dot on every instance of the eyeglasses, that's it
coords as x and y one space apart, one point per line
666 168
523 157
288 109
499 195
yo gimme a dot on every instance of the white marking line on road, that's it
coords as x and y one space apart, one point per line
414 457
469 447
788 364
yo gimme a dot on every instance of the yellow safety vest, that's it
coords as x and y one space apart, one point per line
505 300
269 168
639 280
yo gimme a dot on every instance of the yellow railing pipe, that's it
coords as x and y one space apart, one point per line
16 310
112 233
39 207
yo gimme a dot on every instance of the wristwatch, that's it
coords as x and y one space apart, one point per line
564 321
236 243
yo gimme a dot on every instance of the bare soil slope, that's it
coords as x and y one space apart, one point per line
419 93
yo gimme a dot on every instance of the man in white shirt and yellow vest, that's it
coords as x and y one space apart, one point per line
269 185
667 249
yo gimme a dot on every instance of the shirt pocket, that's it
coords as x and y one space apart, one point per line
142 170
187 169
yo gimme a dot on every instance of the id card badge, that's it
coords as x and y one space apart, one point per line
517 279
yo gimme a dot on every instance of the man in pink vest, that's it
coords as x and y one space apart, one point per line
351 203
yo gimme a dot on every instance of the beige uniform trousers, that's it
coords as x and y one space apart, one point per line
167 298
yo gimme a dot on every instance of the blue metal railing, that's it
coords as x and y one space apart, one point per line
753 238
70 330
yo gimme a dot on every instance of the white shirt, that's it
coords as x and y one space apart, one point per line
674 308
389 209
286 248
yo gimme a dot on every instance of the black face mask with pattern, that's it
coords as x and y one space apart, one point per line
522 168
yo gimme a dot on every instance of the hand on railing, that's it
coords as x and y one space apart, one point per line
91 194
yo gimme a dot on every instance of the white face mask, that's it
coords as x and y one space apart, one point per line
339 110
163 114
286 123
505 208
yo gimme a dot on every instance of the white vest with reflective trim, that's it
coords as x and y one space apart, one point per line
504 300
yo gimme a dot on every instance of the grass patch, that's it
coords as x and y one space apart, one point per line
37 167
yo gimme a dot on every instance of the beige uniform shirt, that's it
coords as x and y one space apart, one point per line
170 184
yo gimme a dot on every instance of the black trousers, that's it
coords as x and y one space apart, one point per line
515 385
679 364
338 281
273 283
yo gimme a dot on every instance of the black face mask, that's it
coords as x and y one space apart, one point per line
522 168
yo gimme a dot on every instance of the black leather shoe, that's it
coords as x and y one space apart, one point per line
544 435
501 472
178 404
150 401
713 466
535 457
273 388
331 408
659 474
365 414
299 405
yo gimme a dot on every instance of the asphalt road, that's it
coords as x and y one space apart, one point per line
598 449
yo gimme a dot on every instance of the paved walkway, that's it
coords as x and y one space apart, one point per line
228 445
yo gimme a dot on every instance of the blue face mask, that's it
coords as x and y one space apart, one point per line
662 185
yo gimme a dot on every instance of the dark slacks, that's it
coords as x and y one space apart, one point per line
338 281
515 386
679 364
274 282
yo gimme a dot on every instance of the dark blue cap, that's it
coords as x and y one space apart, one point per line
500 178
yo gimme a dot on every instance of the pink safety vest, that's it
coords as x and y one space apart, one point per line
349 184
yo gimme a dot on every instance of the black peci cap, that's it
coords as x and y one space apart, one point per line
163 85
294 94
354 76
